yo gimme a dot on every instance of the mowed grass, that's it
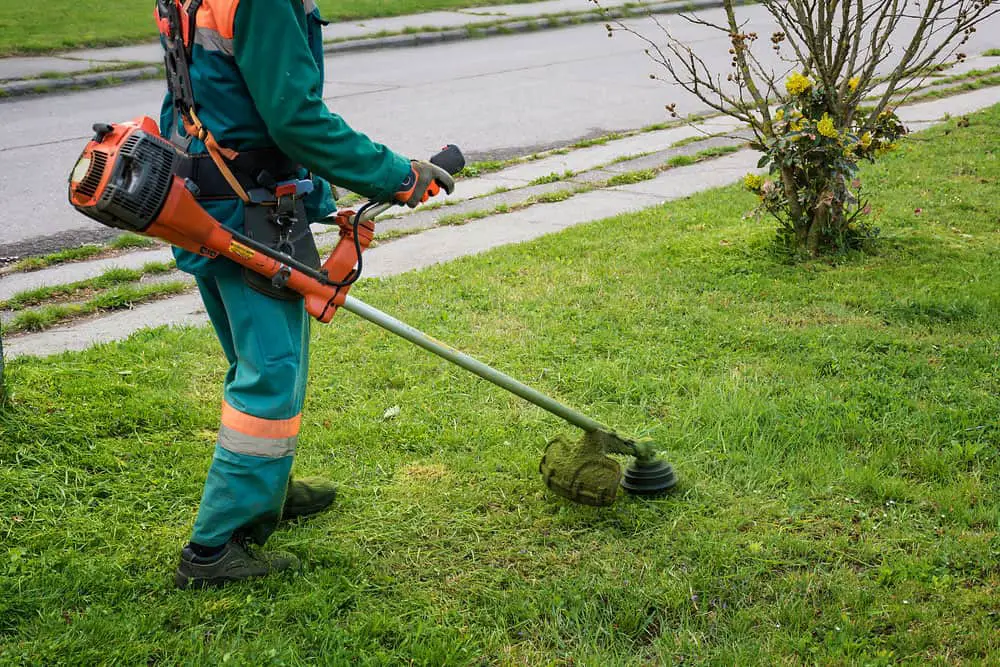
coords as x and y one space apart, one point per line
27 27
835 425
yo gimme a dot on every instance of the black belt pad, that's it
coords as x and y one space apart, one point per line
294 239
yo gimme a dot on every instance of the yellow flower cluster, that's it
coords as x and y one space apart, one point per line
853 82
865 140
779 115
826 127
797 83
753 182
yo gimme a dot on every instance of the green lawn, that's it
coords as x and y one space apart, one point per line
835 424
27 27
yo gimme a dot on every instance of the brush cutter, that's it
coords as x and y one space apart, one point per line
127 178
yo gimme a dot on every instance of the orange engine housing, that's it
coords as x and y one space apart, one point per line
125 178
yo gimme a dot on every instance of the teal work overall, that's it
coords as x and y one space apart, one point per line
257 75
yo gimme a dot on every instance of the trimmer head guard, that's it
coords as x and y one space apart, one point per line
581 472
584 473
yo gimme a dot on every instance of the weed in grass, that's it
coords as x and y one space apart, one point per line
132 241
992 53
553 197
631 177
598 141
682 160
462 218
687 141
553 178
628 158
66 255
475 169
717 151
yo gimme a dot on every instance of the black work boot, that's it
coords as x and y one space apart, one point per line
236 562
306 497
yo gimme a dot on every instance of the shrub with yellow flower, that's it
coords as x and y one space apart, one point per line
797 84
753 182
826 127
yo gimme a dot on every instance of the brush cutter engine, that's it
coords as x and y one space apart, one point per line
126 178
124 175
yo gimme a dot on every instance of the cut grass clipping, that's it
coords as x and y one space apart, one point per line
835 424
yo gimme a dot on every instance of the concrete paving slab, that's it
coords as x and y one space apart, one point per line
684 181
593 176
184 310
443 244
584 159
150 52
423 219
516 95
924 114
33 66
484 185
154 279
660 158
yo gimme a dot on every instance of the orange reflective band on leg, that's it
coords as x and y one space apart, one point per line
257 427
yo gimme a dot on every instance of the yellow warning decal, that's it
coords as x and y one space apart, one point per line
241 250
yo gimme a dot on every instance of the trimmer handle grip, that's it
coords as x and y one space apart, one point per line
450 159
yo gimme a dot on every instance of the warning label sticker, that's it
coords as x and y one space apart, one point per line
241 250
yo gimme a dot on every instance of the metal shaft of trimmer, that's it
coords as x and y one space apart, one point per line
417 337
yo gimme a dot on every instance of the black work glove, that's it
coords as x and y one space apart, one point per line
425 181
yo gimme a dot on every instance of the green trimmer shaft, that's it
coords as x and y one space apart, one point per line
582 472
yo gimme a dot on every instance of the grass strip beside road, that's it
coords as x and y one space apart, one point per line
27 27
835 424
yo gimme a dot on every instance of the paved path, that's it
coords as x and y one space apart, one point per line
496 97
446 243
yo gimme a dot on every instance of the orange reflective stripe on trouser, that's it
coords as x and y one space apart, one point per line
245 434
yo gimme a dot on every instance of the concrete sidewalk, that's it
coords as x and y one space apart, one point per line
444 243
107 66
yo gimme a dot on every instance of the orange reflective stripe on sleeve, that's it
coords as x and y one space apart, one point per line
258 427
218 15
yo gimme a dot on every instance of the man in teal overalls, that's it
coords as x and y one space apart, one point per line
256 69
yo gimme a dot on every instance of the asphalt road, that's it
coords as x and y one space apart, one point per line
495 97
